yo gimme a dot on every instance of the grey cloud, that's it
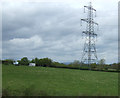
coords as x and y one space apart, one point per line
53 30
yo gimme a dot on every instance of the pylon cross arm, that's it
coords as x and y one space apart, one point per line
89 7
89 21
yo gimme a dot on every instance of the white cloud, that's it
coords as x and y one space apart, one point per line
26 43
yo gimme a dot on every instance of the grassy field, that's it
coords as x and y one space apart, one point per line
41 81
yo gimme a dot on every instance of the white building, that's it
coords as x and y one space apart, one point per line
31 64
15 63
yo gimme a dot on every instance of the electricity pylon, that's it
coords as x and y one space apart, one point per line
89 55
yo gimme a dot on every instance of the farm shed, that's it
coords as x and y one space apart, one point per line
31 64
15 63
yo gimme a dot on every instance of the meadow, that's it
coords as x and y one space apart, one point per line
46 81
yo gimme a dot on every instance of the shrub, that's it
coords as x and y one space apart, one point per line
7 61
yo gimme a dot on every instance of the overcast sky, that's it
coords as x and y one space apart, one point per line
52 29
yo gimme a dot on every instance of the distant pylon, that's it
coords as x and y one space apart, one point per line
89 55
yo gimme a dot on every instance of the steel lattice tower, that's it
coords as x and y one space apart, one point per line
89 55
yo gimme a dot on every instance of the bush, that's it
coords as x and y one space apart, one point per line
7 61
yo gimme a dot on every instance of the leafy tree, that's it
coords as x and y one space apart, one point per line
37 62
101 64
46 62
32 61
76 62
43 62
24 61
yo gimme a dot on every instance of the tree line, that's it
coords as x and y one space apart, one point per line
47 62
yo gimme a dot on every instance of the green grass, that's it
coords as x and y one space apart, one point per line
45 81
